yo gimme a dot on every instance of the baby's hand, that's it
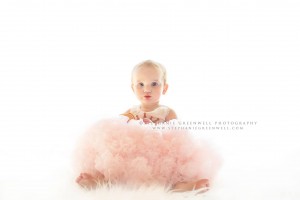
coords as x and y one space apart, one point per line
147 120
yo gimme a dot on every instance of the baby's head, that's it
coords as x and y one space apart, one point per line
151 64
149 81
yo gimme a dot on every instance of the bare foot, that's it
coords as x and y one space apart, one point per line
88 181
202 185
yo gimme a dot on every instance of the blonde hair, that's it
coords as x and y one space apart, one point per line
151 63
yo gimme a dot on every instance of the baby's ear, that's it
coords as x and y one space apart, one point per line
166 86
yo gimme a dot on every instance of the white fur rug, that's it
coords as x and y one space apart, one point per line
61 187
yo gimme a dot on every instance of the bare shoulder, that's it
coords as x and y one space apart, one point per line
171 115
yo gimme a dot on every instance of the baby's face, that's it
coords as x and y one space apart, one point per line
148 85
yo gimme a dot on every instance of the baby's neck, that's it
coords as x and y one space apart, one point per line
149 108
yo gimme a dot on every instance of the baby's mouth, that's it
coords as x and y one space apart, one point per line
147 96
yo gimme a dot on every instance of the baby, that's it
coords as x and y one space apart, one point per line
148 84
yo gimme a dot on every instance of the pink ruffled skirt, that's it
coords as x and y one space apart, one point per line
137 154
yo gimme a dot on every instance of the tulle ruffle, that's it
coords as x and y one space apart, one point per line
139 154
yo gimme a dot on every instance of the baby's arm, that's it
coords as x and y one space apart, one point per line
171 115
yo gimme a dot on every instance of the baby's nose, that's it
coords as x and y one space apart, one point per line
147 88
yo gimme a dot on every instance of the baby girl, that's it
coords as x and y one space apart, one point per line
161 155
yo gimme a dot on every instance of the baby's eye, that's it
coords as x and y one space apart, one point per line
141 84
154 84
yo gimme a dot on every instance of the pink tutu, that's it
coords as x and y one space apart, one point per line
132 153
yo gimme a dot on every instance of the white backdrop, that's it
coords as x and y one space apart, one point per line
66 64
